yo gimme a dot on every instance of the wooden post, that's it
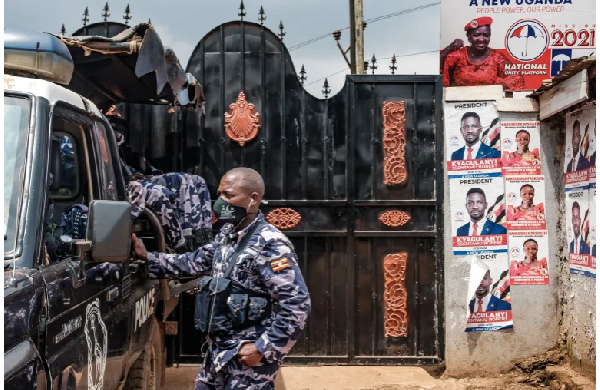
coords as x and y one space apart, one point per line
352 39
360 41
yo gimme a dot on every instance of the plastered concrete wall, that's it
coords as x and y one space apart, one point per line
577 293
535 308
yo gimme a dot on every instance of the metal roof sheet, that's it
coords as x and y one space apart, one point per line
573 67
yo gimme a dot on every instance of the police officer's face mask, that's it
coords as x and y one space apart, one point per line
229 213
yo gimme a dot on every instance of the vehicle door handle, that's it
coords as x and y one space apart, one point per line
112 294
134 268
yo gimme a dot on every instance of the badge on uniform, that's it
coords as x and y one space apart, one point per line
279 264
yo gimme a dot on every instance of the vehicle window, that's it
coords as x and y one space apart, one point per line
67 171
68 188
109 187
17 112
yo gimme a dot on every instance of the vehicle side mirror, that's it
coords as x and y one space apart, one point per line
109 230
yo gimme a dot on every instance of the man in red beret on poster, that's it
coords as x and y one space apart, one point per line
477 64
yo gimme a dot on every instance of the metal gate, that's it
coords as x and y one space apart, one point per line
355 181
358 190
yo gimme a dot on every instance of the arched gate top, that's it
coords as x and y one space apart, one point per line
247 49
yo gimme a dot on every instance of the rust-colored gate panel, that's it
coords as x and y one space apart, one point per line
395 296
242 121
394 143
394 218
284 218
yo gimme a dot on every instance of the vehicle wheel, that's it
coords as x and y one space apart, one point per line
145 372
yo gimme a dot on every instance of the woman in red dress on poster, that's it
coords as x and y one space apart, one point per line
526 211
530 265
477 64
523 156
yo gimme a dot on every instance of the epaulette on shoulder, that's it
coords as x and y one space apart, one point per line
272 235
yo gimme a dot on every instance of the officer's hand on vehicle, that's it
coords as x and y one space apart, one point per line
249 355
139 248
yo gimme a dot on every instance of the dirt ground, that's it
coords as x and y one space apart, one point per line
548 371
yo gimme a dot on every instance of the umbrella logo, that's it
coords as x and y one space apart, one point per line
527 40
560 58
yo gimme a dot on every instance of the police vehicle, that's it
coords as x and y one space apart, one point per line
79 311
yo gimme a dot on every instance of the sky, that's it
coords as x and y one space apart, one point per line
181 24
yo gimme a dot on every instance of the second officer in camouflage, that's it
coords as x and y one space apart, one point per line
253 301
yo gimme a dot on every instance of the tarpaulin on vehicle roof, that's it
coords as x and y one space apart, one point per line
132 67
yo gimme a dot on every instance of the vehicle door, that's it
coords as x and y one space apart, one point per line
85 327
139 294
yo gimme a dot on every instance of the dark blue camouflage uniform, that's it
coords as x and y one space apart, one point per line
256 270
192 200
180 201
160 201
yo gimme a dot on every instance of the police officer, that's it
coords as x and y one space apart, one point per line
252 301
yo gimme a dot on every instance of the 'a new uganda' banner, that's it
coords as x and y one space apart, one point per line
514 43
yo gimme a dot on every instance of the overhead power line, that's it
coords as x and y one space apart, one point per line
383 17
323 78
384 58
373 20
298 46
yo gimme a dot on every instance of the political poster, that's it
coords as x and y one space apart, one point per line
488 296
578 230
592 201
472 137
528 255
578 151
513 43
525 200
588 116
478 214
520 146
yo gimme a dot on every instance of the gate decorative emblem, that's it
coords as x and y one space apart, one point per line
394 143
242 121
284 218
395 295
394 218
